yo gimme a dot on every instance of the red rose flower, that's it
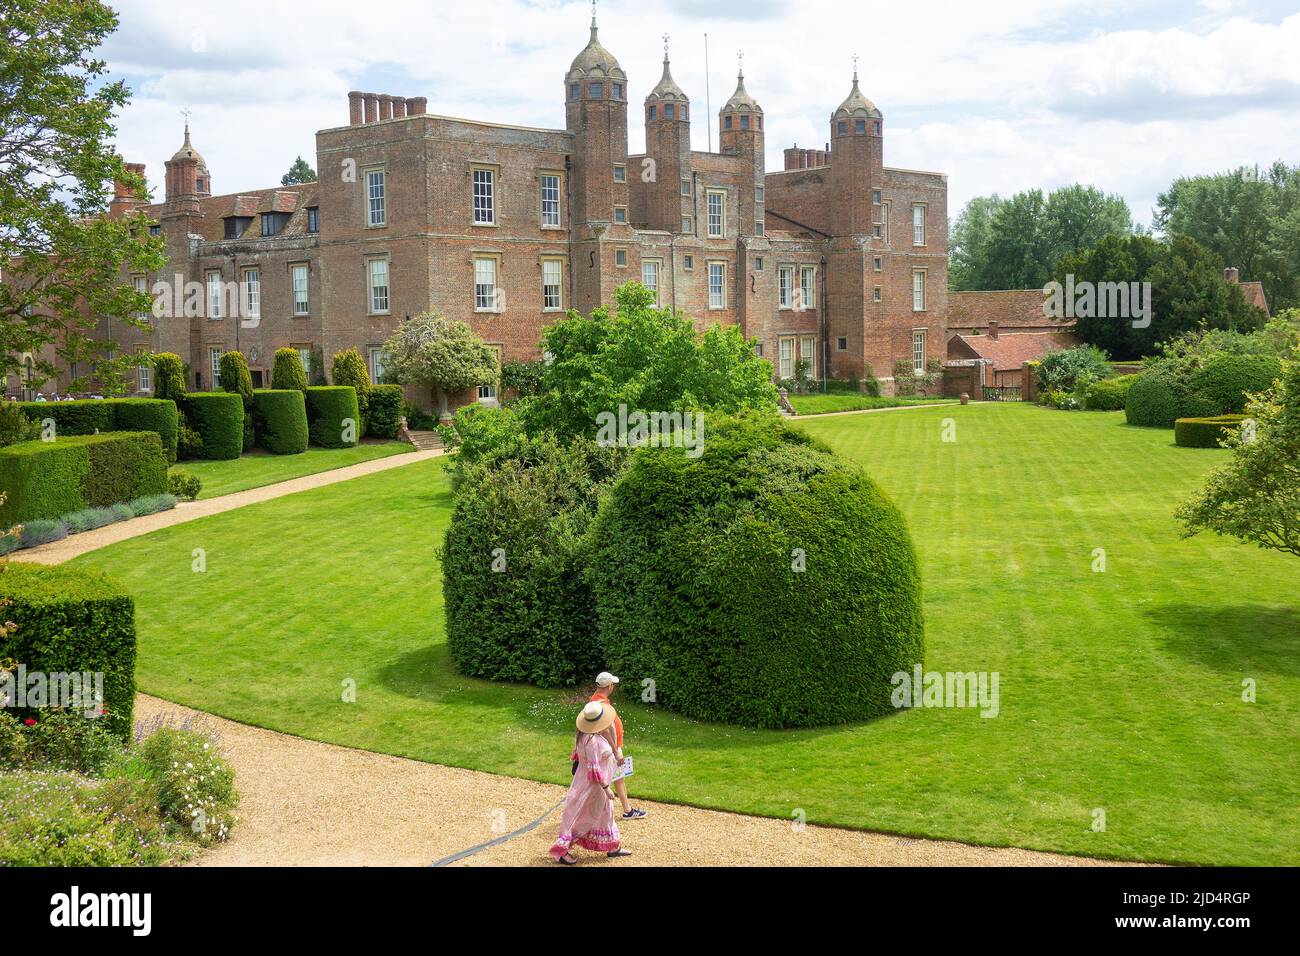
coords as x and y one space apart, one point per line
30 721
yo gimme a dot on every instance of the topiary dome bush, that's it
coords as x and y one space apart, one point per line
1220 387
517 605
287 372
1155 400
693 567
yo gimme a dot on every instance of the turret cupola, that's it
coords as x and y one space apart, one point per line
857 115
667 101
187 172
742 110
595 73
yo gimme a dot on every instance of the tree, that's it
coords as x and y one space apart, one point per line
64 262
349 368
646 358
287 372
1016 243
444 356
299 172
1256 496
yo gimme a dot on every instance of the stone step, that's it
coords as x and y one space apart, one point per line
426 441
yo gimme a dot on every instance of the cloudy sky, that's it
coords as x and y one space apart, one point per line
1001 95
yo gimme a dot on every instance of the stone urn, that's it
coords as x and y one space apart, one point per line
965 398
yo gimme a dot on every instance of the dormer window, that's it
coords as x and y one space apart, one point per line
313 219
273 223
236 226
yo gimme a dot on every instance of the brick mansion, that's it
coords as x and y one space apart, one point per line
837 259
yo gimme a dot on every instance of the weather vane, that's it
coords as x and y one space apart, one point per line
740 61
665 46
855 66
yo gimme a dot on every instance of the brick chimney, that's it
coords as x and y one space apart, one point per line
1231 275
124 200
356 108
993 329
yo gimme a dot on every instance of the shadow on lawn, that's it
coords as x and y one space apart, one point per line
1244 637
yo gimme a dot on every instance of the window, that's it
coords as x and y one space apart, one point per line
141 285
759 194
808 352
377 269
842 344
808 286
620 257
785 356
552 280
650 276
214 360
550 199
877 295
686 187
670 110
298 273
918 224
376 364
886 209
155 230
918 350
744 122
596 91
273 224
620 214
717 214
877 263
759 227
144 370
214 295
654 112
688 226
785 286
875 197
575 90
875 127
488 391
620 173
758 349
376 213
252 293
875 231
842 127
618 91
198 184
758 263
484 202
485 284
717 285
313 219
688 263
860 126
304 357
918 290
726 122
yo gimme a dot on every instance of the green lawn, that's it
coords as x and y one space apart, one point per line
1120 691
259 468
851 402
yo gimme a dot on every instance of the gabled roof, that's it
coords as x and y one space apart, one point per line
1010 350
1010 308
1254 293
214 210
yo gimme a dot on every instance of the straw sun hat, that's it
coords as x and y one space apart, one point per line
595 717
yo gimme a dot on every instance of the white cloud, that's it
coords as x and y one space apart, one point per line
1001 96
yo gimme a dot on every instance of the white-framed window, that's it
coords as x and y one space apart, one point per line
918 290
758 263
885 210
875 197
252 293
650 276
215 295
550 199
620 173
620 214
214 360
808 352
552 285
376 364
688 263
620 258
687 225
918 350
488 390
686 187
485 284
144 370
141 284
304 358
484 197
717 208
785 356
376 210
877 294
918 224
759 227
785 286
377 275
717 285
877 263
759 194
298 273
808 286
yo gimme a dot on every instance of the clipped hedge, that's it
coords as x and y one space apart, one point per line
695 567
333 416
1205 432
1108 395
74 621
49 479
88 416
280 420
517 606
218 417
1220 387
383 411
1154 400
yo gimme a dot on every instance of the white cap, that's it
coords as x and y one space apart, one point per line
605 678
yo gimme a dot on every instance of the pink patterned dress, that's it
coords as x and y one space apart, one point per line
588 817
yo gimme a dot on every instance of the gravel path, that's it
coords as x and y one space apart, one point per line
76 545
313 804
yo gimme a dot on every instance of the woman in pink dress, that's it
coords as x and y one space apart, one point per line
588 817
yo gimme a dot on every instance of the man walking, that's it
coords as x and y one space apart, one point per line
606 684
